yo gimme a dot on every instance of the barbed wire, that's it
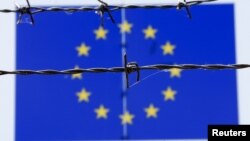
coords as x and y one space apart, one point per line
127 69
130 68
102 9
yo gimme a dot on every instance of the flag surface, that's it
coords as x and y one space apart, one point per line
173 104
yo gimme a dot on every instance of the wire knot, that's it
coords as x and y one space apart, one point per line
25 10
102 9
183 4
130 68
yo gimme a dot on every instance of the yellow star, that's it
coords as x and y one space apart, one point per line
151 111
83 50
175 72
83 96
102 112
77 75
100 33
168 49
169 94
126 118
150 32
125 27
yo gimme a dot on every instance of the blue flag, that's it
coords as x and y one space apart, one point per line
169 104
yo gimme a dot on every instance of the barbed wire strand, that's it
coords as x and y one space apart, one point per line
128 69
102 9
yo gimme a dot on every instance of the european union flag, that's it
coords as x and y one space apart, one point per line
170 104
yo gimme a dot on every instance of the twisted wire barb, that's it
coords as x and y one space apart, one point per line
104 7
111 7
129 68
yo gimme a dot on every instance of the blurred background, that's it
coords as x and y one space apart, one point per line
165 105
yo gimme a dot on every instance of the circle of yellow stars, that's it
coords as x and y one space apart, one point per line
151 111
